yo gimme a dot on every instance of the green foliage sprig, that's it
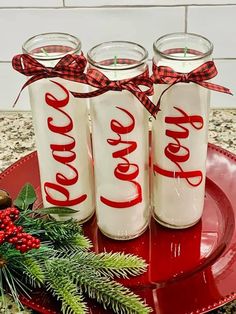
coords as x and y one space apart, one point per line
64 265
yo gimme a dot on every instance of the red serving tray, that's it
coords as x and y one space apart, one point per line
191 271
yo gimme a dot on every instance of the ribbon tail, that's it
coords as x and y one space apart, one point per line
30 81
215 87
90 94
146 102
158 105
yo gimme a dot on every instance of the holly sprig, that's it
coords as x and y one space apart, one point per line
64 263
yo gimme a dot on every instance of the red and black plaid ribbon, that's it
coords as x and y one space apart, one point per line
70 67
206 71
98 80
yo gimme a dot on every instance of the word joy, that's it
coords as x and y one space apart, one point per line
124 171
178 153
62 153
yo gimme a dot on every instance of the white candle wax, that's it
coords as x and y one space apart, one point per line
180 145
120 121
63 143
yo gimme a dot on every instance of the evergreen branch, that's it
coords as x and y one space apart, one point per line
103 289
30 264
65 266
11 283
34 271
50 229
82 242
78 243
112 264
61 286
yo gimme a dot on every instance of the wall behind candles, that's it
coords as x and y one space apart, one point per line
94 21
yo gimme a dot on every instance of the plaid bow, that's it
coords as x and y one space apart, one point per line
70 67
206 71
98 80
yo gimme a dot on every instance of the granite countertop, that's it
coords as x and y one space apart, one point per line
17 140
17 134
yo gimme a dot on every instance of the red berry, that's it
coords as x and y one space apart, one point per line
37 241
15 211
6 220
14 239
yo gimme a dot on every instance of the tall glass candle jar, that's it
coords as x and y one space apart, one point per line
120 143
180 131
61 129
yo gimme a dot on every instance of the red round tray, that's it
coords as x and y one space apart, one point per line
190 271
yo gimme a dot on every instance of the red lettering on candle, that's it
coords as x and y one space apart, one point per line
178 153
124 171
62 153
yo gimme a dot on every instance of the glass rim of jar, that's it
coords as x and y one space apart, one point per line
73 40
98 64
156 46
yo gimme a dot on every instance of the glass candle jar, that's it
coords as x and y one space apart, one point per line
61 129
180 132
120 143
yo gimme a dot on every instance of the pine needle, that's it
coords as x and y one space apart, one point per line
65 266
61 286
104 290
34 271
112 264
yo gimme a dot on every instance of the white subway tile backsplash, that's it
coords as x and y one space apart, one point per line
31 3
11 83
215 19
92 26
225 77
98 3
218 24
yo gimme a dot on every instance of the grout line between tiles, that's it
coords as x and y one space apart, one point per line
64 6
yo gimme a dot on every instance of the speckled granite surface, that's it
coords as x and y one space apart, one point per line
17 135
17 140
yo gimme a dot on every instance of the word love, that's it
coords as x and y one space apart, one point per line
124 171
178 153
62 153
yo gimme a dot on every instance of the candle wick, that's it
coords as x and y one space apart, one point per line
45 52
115 64
185 51
115 61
